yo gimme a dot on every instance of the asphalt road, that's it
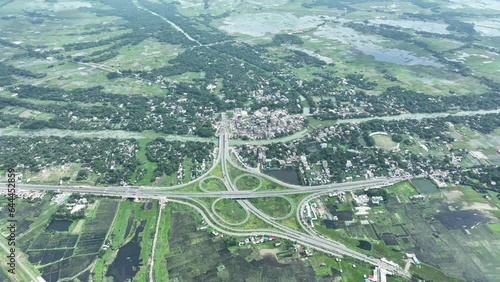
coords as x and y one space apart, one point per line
306 238
313 240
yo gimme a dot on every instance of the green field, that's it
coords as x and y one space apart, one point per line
401 225
213 184
384 141
247 182
275 207
494 227
230 210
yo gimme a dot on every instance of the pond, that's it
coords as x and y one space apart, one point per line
260 24
365 245
371 45
464 219
59 225
288 175
425 186
127 261
416 25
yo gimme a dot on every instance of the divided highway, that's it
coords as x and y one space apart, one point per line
306 237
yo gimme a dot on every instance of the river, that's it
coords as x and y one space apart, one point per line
417 116
122 134
118 134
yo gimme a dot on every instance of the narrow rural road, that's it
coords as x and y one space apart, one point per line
152 258
178 28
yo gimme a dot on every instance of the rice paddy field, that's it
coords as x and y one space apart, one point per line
66 253
450 48
448 230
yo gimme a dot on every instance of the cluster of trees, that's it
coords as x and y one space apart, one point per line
97 43
396 99
352 143
203 33
280 39
106 157
482 123
299 59
7 120
168 155
484 178
244 71
459 26
360 81
143 23
112 111
7 72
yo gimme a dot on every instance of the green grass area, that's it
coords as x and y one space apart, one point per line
144 174
99 268
126 212
194 187
469 194
162 247
213 184
384 141
275 207
494 198
247 182
233 172
379 249
271 185
230 210
150 215
430 273
291 222
403 190
494 227
316 124
187 165
129 216
322 264
217 171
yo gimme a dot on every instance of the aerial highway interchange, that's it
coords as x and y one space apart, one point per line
307 237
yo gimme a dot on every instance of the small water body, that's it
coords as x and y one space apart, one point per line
127 261
365 245
464 219
260 24
416 25
59 225
420 116
371 45
288 175
425 186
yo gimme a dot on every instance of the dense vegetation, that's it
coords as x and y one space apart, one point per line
113 159
170 154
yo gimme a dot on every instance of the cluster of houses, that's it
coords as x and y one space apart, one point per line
258 240
363 200
73 206
264 123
